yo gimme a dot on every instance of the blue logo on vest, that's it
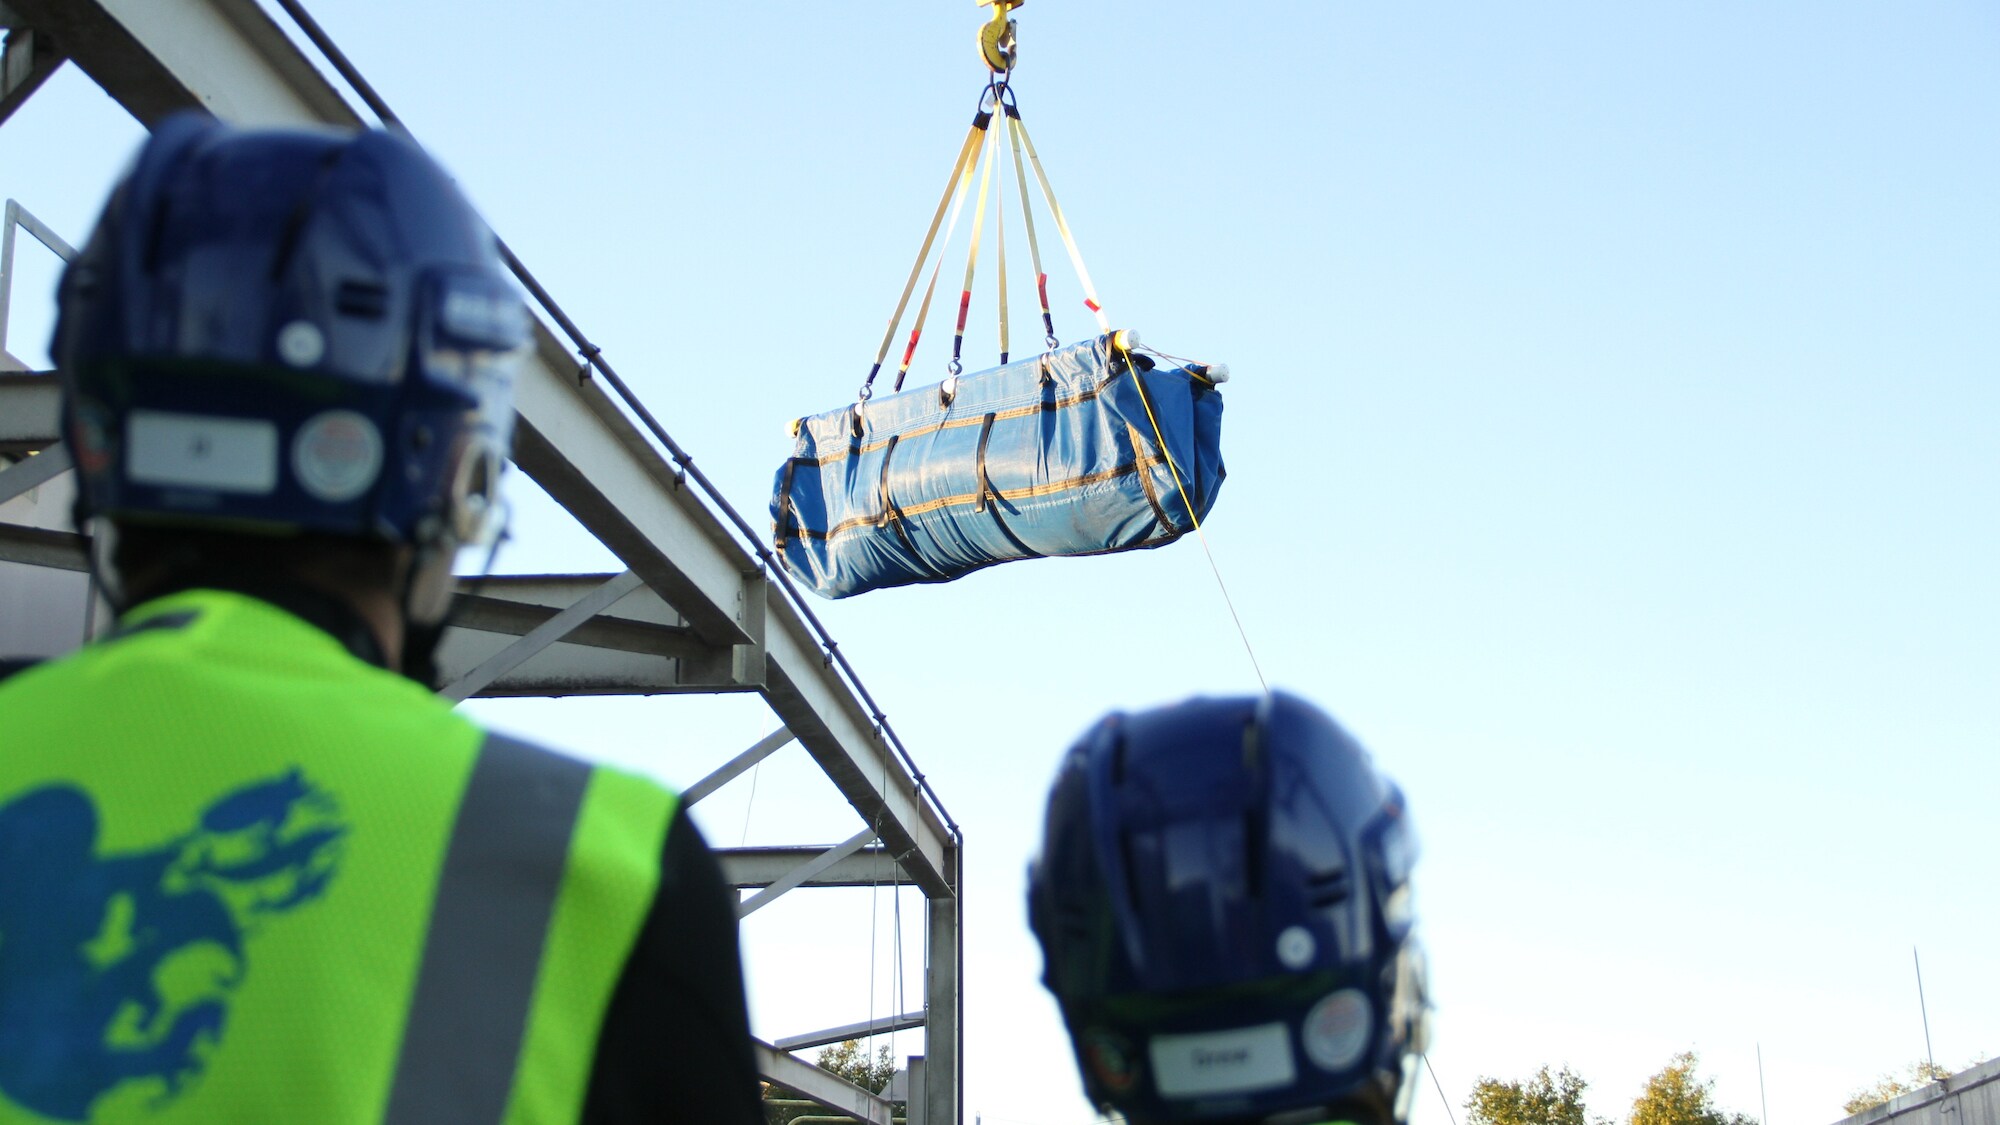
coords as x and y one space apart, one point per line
119 969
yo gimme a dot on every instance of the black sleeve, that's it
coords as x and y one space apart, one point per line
675 1046
11 666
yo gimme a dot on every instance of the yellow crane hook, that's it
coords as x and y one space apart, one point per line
996 38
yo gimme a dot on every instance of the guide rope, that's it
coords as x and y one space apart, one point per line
1146 400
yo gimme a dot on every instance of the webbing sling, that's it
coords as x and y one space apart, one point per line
987 160
503 871
973 136
1090 300
1028 220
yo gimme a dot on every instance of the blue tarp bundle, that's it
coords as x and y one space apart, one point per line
1053 455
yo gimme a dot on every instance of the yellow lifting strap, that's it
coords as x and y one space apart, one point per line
996 38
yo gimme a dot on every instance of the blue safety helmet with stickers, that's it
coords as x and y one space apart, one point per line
1223 903
290 330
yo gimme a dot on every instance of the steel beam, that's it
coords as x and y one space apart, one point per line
27 59
640 646
16 217
750 868
158 56
944 1033
841 737
881 1025
39 546
29 405
834 1093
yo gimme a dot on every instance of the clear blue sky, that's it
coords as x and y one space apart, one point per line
1612 447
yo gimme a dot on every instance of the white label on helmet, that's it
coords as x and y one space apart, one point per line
201 451
1296 947
301 343
1222 1062
337 455
1335 1033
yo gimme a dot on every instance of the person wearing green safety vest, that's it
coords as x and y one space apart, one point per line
251 868
1222 898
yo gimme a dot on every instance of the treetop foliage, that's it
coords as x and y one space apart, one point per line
1674 1096
1545 1099
1916 1076
847 1060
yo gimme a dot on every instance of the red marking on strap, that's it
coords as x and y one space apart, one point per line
1042 287
964 305
1093 306
912 349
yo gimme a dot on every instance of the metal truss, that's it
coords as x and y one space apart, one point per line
694 611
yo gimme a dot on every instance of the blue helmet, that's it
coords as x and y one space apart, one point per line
285 331
1223 904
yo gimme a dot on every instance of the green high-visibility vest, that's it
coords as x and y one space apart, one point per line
247 877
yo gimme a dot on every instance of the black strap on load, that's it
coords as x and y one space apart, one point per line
889 511
1146 481
892 516
988 492
785 520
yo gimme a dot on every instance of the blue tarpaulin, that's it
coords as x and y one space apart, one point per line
1054 455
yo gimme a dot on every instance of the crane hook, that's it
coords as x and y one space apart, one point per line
996 38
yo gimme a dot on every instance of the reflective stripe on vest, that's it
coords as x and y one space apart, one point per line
502 874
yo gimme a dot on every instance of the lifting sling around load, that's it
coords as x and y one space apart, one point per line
1089 449
1083 450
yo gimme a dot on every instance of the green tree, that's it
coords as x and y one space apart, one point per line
1545 1099
1916 1076
847 1060
1677 1096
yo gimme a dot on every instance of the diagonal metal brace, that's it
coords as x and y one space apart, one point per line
542 636
38 470
805 871
735 767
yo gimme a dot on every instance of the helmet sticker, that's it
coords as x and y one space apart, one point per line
201 451
1296 947
301 343
1335 1034
337 455
1237 1061
1110 1060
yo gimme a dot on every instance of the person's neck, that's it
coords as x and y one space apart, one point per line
365 622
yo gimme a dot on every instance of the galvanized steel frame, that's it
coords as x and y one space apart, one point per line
232 59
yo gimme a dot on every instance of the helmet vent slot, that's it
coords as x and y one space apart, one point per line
1327 888
368 299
